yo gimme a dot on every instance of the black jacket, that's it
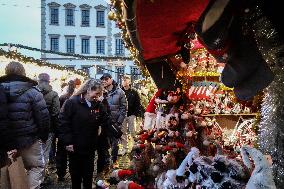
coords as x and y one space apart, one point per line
3 118
63 98
53 105
133 101
27 112
79 124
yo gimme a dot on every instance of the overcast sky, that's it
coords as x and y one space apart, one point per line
20 23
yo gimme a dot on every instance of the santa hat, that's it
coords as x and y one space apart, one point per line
121 173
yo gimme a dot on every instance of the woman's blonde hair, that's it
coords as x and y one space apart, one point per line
15 68
89 85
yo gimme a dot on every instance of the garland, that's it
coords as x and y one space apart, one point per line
25 59
66 54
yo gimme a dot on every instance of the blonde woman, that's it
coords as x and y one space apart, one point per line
80 118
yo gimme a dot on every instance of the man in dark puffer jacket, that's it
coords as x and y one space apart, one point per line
53 105
3 125
28 121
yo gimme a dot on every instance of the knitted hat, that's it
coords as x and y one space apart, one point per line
43 77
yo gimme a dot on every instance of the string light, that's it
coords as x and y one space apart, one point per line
15 55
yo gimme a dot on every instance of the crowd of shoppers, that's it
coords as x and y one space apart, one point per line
43 128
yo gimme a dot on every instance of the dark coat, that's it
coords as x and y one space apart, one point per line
3 117
27 112
79 124
133 102
117 103
63 98
53 105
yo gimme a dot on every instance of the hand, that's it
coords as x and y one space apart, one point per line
12 153
70 148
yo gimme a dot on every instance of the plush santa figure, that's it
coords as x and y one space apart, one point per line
150 113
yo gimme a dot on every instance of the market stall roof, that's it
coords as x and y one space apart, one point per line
160 23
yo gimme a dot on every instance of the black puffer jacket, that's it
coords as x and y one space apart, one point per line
53 105
79 124
3 118
133 102
27 112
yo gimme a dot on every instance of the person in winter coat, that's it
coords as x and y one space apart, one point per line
53 105
61 153
80 118
3 125
118 107
103 161
134 110
28 121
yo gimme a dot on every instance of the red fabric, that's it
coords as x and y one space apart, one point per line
179 145
133 185
124 173
167 148
152 105
159 22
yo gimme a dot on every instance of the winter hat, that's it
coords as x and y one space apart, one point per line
106 75
43 77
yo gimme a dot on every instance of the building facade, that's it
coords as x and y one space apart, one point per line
82 27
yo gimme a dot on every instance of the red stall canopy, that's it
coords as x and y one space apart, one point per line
159 24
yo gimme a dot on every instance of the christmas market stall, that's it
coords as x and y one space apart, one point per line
216 119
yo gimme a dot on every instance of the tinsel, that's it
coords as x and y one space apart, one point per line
271 136
271 128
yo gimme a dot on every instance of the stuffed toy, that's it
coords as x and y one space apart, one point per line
150 113
101 184
193 154
261 176
128 185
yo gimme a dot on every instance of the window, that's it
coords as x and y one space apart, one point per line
54 16
119 48
71 67
70 45
135 73
120 73
100 46
85 46
85 17
101 69
54 44
69 17
86 69
100 18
